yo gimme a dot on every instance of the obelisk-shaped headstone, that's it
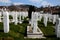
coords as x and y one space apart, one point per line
0 17
35 23
57 28
54 19
20 21
40 16
13 15
45 19
6 21
50 17
31 22
16 18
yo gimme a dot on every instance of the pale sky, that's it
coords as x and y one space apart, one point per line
37 3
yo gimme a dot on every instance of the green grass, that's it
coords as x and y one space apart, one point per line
49 31
10 17
17 32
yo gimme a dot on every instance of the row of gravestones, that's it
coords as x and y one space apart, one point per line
33 21
24 14
55 18
15 18
46 16
51 18
13 14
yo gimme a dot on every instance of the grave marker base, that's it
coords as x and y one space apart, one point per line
38 34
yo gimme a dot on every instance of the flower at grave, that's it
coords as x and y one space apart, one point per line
30 28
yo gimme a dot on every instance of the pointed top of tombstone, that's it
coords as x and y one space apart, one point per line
5 9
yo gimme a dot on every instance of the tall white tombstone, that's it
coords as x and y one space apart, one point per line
45 19
35 22
0 16
54 19
31 22
50 17
40 17
6 21
26 13
57 28
33 31
37 13
13 15
16 18
20 21
23 14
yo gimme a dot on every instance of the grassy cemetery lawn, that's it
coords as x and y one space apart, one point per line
17 32
49 31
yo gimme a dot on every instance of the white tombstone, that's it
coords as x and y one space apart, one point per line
35 22
54 18
57 31
13 15
28 28
37 13
40 17
45 19
26 14
0 16
31 22
23 15
50 17
16 18
6 21
33 31
20 21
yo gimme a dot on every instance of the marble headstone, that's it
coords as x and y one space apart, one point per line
45 19
40 17
16 18
13 15
57 28
54 19
6 21
50 17
0 16
20 16
35 22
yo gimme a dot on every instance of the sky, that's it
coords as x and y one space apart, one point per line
36 3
